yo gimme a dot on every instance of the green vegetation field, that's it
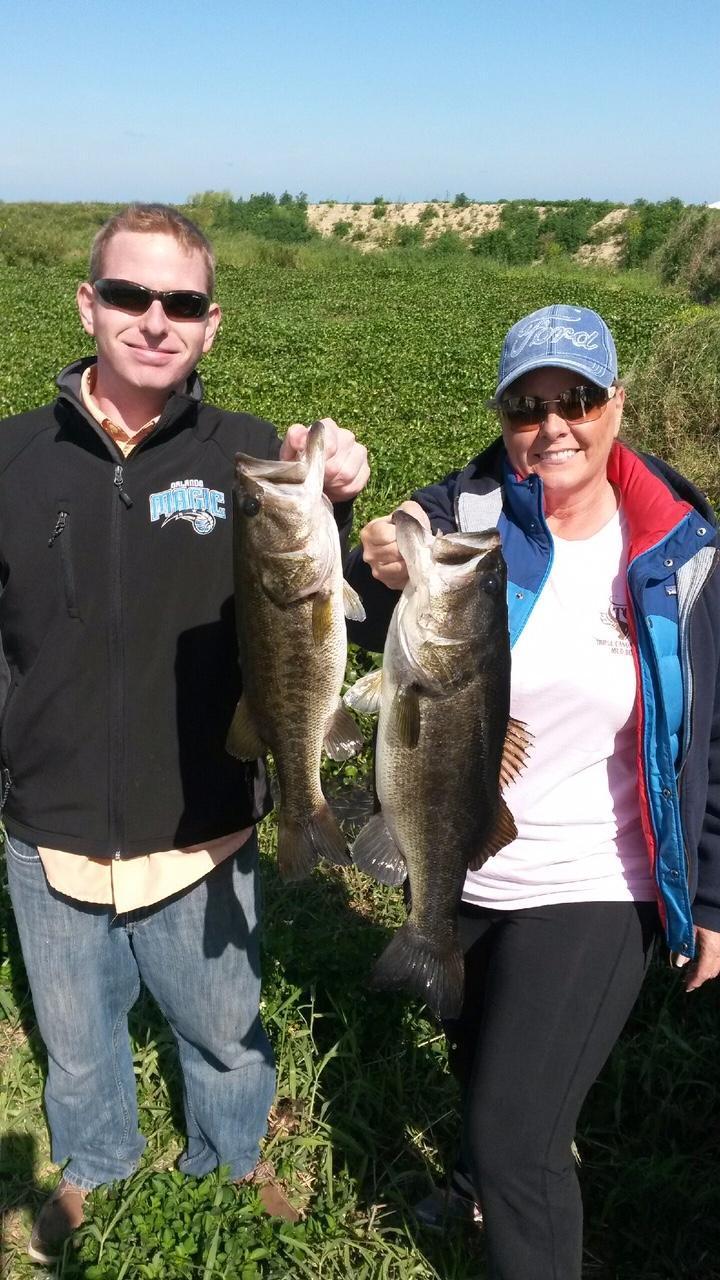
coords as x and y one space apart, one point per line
402 349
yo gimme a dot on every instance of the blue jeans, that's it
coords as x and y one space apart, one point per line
198 954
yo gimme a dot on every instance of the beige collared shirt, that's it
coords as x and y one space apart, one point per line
131 883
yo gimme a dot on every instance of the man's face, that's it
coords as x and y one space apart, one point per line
147 353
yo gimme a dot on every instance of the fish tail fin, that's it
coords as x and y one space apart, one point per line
412 963
301 845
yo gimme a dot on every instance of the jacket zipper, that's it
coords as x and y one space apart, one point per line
117 710
118 482
686 663
59 526
66 562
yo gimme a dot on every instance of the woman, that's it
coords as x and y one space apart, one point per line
614 615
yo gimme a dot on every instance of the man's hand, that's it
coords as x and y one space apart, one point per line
707 960
380 548
346 465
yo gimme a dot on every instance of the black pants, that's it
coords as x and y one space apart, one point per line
548 991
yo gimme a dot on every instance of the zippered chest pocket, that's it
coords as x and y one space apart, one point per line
60 544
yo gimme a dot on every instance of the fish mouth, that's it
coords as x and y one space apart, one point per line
460 548
272 471
289 471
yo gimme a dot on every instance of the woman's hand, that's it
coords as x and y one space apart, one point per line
380 548
707 961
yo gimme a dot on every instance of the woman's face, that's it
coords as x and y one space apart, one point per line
570 458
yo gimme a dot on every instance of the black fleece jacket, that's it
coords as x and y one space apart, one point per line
119 660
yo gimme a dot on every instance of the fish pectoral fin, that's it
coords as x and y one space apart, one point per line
364 694
352 604
301 845
375 852
405 716
243 740
504 832
518 742
322 617
342 736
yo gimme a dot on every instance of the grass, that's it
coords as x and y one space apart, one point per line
403 350
366 1119
674 400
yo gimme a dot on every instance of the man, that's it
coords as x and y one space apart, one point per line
130 845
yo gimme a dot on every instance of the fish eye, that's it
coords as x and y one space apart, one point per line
491 584
250 505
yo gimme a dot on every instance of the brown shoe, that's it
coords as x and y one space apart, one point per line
270 1192
62 1213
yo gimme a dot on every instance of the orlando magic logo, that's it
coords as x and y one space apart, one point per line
188 500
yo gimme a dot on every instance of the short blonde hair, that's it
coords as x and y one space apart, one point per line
153 218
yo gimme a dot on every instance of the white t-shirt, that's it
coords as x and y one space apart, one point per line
573 684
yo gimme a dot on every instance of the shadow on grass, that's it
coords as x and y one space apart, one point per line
649 1133
18 1188
388 1103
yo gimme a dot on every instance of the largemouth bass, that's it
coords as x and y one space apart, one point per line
445 747
290 601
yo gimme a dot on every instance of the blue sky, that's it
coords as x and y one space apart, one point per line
413 99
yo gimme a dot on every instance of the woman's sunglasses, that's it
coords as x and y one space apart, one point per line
178 304
577 404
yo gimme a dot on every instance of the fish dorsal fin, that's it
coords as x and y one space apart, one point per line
364 694
518 742
503 833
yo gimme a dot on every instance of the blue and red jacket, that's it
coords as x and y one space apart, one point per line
674 620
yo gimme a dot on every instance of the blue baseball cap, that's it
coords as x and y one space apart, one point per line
560 336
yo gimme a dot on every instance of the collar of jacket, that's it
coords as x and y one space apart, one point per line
658 503
179 403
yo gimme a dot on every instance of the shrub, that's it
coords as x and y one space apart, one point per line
265 216
360 234
408 237
447 242
461 201
341 228
356 206
517 239
673 405
380 207
690 256
568 227
428 213
647 226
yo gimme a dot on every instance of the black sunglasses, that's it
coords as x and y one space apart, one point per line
578 404
178 304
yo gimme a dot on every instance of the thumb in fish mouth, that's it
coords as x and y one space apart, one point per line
298 439
414 540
